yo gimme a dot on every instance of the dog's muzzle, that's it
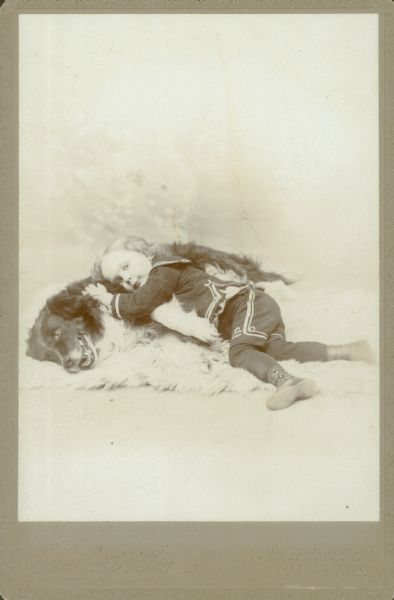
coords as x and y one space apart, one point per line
89 352
84 359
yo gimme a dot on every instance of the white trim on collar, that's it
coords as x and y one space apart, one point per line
160 263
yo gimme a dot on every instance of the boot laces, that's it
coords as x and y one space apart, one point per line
277 376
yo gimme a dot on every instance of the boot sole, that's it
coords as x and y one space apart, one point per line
285 397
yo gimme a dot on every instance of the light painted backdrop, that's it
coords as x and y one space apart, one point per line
253 133
247 132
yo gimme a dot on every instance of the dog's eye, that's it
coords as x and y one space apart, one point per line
56 334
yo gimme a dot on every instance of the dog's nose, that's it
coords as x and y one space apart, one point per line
71 365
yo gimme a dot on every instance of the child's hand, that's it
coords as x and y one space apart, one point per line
205 331
99 292
172 316
191 325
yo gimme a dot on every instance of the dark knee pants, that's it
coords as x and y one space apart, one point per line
253 323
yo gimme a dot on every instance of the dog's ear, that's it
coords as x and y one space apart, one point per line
91 314
66 305
72 306
77 287
34 348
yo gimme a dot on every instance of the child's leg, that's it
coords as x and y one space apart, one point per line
252 359
280 349
248 321
265 368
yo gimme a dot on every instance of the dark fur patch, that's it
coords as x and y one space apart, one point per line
34 347
70 303
241 264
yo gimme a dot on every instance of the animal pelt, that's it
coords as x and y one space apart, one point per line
146 355
149 356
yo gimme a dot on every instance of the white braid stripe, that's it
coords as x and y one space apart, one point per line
216 298
116 306
248 328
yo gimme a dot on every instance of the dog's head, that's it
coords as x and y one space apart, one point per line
67 329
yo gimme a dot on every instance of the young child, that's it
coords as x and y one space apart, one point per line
241 312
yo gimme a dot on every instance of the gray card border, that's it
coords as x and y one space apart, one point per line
244 561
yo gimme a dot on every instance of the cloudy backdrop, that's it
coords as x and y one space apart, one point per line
247 132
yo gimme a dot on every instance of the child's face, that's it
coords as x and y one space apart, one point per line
128 268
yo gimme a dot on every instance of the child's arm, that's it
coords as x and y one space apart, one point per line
170 314
157 290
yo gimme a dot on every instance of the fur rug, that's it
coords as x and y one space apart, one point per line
168 362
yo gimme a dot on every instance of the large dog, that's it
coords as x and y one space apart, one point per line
72 330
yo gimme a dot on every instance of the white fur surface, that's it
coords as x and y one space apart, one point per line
170 363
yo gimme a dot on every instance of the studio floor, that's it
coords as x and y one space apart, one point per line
141 455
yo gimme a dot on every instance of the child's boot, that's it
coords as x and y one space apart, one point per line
359 350
289 388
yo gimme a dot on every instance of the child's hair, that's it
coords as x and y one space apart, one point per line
130 242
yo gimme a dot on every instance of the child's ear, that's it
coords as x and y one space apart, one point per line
97 273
